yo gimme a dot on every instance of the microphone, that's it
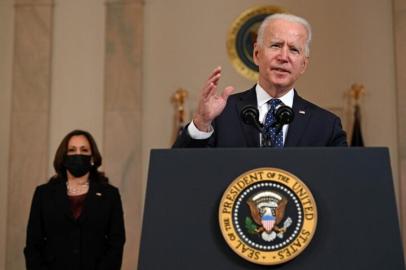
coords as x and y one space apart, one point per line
250 116
283 115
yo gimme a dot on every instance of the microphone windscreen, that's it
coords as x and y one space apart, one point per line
249 114
284 114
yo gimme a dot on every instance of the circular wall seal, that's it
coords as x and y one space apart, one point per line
268 216
242 36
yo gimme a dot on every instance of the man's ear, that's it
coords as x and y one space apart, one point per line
255 53
305 64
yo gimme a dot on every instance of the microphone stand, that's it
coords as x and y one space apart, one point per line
249 115
265 140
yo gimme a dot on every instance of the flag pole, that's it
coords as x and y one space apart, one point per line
179 100
357 91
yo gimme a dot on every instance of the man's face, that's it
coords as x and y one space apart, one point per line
281 56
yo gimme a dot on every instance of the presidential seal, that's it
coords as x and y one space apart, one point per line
242 37
268 216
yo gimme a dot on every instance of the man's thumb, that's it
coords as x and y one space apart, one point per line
227 92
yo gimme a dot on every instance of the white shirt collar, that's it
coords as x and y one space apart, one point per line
263 97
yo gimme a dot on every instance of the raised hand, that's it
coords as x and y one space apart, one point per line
211 104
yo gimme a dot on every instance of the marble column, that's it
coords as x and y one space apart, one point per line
122 113
28 158
400 51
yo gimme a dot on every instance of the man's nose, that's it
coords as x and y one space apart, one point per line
283 54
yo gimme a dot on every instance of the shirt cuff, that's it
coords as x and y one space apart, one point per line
197 134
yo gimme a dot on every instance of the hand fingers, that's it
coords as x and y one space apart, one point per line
209 91
214 76
227 92
215 72
211 84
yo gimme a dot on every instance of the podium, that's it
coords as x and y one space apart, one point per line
357 224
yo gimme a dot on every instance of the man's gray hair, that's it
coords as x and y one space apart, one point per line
289 18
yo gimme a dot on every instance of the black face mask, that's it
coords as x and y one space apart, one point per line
77 165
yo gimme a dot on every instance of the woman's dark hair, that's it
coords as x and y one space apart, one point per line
62 150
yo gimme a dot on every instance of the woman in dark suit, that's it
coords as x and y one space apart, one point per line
76 219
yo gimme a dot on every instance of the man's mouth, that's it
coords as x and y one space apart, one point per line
279 69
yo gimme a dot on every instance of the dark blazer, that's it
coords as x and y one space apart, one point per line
312 126
55 240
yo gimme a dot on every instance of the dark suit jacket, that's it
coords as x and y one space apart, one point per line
55 240
314 127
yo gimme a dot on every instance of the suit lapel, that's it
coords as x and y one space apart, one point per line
250 133
91 202
298 126
61 199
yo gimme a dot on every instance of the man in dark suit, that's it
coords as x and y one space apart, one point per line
282 55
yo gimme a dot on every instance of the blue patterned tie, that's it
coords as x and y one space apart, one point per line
276 139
